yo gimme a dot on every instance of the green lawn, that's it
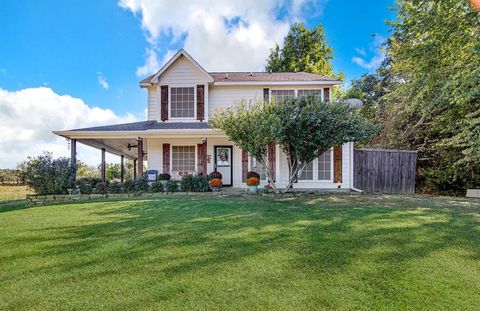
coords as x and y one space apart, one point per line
202 253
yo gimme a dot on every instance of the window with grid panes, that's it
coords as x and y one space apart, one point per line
183 158
279 95
304 93
307 173
257 167
324 166
182 102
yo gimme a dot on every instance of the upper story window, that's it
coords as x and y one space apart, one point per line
182 102
303 93
279 95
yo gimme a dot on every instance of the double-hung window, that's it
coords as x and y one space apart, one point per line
183 159
304 93
319 169
256 166
182 102
279 95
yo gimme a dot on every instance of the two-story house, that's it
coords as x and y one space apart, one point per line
177 138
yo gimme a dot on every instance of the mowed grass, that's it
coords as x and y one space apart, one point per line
206 253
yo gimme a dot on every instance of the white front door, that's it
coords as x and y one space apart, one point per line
223 163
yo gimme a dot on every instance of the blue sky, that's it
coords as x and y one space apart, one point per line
96 52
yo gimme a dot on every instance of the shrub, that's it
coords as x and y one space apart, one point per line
115 187
46 175
198 183
87 184
156 187
141 184
172 186
215 174
215 182
253 181
164 177
100 188
129 185
253 174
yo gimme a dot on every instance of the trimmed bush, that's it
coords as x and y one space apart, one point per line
164 177
172 186
198 183
156 187
128 185
100 188
253 174
215 174
141 184
115 187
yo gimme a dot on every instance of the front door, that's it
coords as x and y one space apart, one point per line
224 164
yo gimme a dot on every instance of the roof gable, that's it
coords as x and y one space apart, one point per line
181 52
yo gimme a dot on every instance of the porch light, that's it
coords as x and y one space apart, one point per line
204 140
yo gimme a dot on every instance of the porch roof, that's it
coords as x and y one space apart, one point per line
145 126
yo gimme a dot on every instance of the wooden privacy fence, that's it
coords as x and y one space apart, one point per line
385 171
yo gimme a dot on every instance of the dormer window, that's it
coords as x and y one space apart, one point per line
182 102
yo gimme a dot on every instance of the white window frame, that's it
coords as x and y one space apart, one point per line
295 91
194 102
183 145
250 159
315 172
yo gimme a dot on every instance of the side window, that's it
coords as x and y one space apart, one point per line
257 167
324 166
279 95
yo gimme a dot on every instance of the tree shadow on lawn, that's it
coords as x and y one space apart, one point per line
325 236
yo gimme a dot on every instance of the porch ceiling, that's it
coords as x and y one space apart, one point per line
117 146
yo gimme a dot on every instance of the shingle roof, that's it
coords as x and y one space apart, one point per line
147 125
261 77
267 76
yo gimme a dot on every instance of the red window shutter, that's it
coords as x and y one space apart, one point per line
200 102
326 94
266 94
271 158
244 165
166 158
337 164
164 102
202 159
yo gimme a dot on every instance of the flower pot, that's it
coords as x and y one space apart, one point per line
216 189
253 189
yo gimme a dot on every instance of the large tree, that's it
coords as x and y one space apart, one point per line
302 50
435 109
304 128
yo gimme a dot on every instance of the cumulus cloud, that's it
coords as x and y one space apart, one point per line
28 117
102 81
220 35
376 50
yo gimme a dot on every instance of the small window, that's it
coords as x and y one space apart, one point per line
307 173
324 166
257 167
279 95
182 102
305 93
183 158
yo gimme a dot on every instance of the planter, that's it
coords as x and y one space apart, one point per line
253 189
216 189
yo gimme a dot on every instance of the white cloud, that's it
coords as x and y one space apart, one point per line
220 35
151 64
378 54
28 117
102 80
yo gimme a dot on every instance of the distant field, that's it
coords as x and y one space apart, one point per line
11 193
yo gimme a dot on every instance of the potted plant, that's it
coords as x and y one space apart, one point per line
252 184
215 184
215 174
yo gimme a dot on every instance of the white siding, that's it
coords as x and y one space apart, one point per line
225 96
182 72
153 111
